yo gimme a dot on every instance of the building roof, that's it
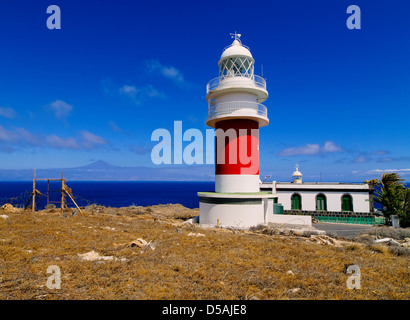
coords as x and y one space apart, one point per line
319 186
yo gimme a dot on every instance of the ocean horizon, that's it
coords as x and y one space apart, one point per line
108 193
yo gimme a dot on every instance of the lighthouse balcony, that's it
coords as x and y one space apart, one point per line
240 82
237 110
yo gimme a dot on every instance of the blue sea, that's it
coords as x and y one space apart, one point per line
113 194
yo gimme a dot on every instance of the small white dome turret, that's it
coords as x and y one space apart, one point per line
297 176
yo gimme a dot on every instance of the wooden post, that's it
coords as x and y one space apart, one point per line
62 193
48 191
33 207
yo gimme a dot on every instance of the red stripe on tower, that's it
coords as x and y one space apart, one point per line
237 147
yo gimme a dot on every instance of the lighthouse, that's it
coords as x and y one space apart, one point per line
236 112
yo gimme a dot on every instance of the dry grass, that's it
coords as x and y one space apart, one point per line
223 264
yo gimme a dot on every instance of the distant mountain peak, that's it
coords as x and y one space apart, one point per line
99 165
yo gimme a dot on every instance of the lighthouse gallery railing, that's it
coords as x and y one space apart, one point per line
234 106
258 81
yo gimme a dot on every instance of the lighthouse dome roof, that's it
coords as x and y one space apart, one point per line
236 49
297 173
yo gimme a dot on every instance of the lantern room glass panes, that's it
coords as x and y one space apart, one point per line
236 67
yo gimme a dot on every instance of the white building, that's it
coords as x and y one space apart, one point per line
327 201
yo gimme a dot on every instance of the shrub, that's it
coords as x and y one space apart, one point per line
399 251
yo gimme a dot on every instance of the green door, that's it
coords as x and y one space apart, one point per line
321 202
347 204
296 202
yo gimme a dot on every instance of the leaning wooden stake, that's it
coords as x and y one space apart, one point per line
71 197
33 207
62 194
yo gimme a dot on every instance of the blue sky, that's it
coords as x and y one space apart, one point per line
96 89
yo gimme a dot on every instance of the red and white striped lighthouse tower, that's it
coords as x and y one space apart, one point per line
236 112
235 109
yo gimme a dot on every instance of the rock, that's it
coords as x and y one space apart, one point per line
4 216
141 243
8 208
94 256
326 240
388 241
192 220
153 245
294 290
382 240
284 232
191 234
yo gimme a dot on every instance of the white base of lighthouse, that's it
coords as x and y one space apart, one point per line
239 211
231 183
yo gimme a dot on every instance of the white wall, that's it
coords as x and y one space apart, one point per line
231 215
236 96
290 219
361 201
228 183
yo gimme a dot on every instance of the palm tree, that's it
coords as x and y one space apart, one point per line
393 196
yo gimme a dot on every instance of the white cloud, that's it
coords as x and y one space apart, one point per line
114 127
389 170
140 94
60 108
90 140
60 143
7 112
378 172
361 159
131 91
17 138
7 135
18 135
310 149
169 72
140 149
28 137
381 152
87 140
152 92
331 147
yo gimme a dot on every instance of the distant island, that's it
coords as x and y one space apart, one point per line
104 171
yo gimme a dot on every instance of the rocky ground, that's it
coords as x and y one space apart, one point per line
156 252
